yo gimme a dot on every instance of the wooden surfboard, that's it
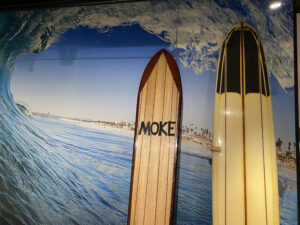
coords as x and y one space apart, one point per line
245 186
155 151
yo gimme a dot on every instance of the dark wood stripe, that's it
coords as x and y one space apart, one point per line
221 73
244 131
148 70
264 78
265 70
143 81
141 151
262 130
297 101
162 115
177 139
150 147
174 70
178 102
176 77
168 159
134 157
225 171
220 69
144 78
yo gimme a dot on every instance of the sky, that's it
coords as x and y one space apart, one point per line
91 75
84 75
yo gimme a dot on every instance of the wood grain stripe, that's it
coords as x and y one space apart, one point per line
145 146
244 124
262 131
137 154
168 161
159 181
225 138
175 153
151 195
149 153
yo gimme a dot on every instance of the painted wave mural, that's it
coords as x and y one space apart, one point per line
43 174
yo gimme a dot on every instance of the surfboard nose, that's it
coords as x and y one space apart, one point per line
171 63
242 67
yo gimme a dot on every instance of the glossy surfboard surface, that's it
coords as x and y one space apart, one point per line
245 185
154 162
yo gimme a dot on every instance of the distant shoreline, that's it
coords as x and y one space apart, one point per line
128 128
125 125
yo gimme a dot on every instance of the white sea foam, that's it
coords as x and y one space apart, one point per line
202 26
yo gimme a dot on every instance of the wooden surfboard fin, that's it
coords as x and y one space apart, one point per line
156 142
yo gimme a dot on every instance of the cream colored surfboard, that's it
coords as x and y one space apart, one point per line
245 186
156 142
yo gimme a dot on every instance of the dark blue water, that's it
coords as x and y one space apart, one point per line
95 164
287 182
71 174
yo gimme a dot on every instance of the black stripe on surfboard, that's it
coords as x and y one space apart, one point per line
252 46
233 65
265 71
251 63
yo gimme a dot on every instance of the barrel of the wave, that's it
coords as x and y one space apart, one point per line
245 185
155 151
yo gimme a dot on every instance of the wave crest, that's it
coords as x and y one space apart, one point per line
200 25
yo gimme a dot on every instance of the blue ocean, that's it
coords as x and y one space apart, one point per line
54 171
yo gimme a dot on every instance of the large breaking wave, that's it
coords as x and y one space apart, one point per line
196 27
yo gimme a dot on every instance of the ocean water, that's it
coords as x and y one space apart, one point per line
58 172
